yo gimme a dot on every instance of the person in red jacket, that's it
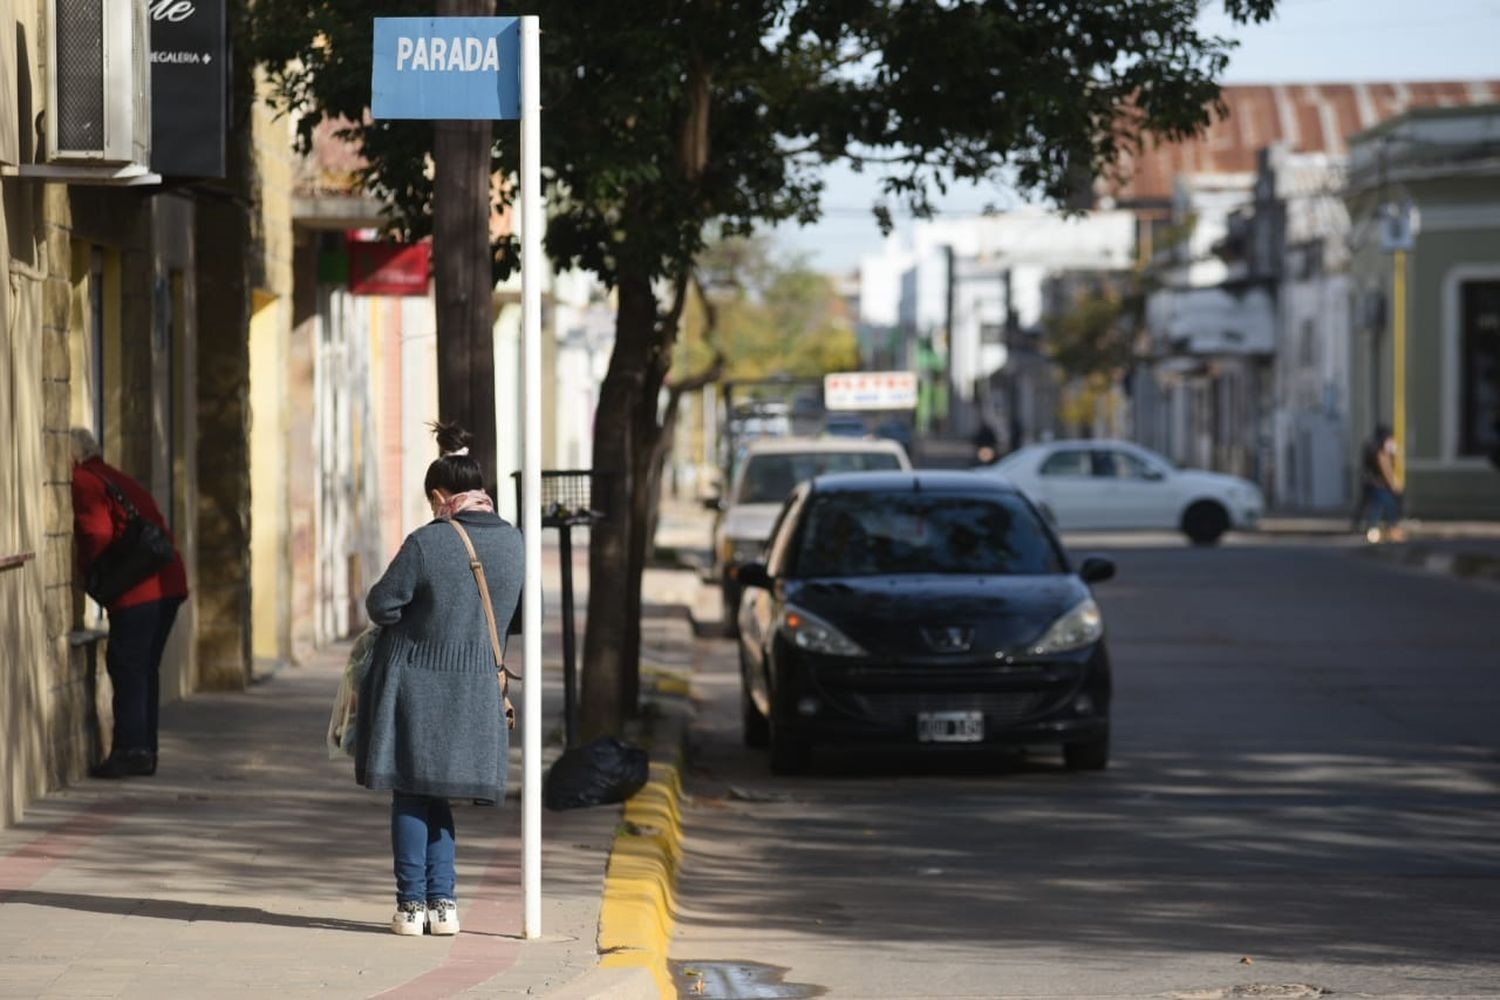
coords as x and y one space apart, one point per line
139 620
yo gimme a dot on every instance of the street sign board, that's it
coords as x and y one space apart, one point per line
870 391
446 68
1398 226
476 68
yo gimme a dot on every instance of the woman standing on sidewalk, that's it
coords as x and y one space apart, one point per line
1380 507
140 619
432 716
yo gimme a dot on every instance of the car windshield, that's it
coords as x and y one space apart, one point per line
769 478
875 534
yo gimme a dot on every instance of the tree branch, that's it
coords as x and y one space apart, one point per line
715 369
707 376
673 316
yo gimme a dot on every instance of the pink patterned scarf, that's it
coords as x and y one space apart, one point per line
472 500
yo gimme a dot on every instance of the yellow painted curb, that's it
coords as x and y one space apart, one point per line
639 908
667 681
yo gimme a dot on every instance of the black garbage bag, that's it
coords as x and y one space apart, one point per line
596 774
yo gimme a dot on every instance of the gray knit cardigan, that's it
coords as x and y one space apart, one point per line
430 716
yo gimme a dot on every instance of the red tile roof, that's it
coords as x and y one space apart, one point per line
1315 117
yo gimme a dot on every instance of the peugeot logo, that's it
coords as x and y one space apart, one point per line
951 639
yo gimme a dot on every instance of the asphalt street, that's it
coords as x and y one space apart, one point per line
1303 797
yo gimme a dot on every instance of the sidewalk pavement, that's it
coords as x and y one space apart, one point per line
1319 523
251 865
1469 549
1472 558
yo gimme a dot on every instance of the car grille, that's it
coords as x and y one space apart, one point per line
895 708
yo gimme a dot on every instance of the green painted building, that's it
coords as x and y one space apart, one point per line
1428 183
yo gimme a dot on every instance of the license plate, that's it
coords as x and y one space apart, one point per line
950 727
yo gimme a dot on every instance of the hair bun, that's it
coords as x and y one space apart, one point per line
451 437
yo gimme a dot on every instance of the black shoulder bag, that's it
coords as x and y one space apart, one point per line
142 550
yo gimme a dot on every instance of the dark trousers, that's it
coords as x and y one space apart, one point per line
137 637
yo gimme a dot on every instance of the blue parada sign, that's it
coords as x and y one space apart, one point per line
446 67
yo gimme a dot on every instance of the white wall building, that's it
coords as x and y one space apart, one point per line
955 280
1313 439
1200 396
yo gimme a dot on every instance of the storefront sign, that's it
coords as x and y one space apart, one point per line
870 391
387 268
189 91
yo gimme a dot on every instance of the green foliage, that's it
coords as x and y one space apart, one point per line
1082 401
770 318
669 124
665 117
1091 338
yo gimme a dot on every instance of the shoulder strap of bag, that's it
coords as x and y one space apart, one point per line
116 494
484 595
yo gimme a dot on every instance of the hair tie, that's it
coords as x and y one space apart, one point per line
456 454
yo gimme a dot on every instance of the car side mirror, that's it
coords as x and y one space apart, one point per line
1155 475
1096 569
715 504
752 575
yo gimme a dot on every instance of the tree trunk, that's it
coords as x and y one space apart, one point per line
666 440
611 647
462 280
642 510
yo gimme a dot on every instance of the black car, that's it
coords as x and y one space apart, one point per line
933 607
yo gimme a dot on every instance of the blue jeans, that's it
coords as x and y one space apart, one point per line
423 843
1382 507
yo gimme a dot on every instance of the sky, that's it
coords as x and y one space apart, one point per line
1308 41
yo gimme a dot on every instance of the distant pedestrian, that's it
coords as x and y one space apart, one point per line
986 444
1380 505
141 603
432 709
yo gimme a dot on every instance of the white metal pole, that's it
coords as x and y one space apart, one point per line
532 265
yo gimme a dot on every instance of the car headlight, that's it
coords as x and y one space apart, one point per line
809 632
1080 627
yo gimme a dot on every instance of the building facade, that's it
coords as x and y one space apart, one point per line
1246 233
964 297
125 308
1425 268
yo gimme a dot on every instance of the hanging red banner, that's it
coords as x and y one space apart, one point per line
386 268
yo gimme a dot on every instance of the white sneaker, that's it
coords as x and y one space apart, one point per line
410 919
442 916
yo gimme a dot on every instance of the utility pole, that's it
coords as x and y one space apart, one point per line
950 294
463 283
1014 432
1398 366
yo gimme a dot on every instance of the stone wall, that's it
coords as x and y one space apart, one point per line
222 402
223 409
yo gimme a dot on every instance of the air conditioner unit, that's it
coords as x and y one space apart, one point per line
99 84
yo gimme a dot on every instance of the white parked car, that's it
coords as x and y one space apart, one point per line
1116 485
770 470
